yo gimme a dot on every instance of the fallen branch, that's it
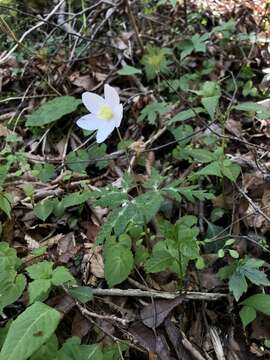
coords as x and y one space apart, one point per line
189 295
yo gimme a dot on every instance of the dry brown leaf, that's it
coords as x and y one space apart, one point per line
83 81
92 263
156 312
80 325
67 248
4 131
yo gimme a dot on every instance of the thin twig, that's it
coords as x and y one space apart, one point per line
39 24
112 318
134 25
255 207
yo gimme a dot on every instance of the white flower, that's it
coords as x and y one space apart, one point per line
106 114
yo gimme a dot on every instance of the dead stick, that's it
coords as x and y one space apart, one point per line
189 295
134 25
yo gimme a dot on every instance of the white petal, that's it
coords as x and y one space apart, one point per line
117 114
104 131
111 96
92 102
90 122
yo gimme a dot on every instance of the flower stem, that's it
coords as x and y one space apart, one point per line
121 140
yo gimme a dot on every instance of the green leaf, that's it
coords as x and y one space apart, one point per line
118 264
183 134
230 169
161 260
233 253
39 290
129 70
61 276
3 332
210 104
76 198
247 315
110 197
11 291
29 331
41 270
164 256
3 173
202 155
187 47
44 209
211 169
217 214
53 110
186 115
155 61
81 293
152 110
153 199
221 253
257 277
5 203
44 172
260 302
77 160
238 285
72 350
250 107
47 351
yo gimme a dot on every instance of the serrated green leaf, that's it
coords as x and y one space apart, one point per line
183 134
76 198
118 264
29 331
153 199
129 70
81 293
53 110
247 315
111 197
151 111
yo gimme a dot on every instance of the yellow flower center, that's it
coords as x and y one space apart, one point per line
105 112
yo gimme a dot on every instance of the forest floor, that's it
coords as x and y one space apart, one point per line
152 242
